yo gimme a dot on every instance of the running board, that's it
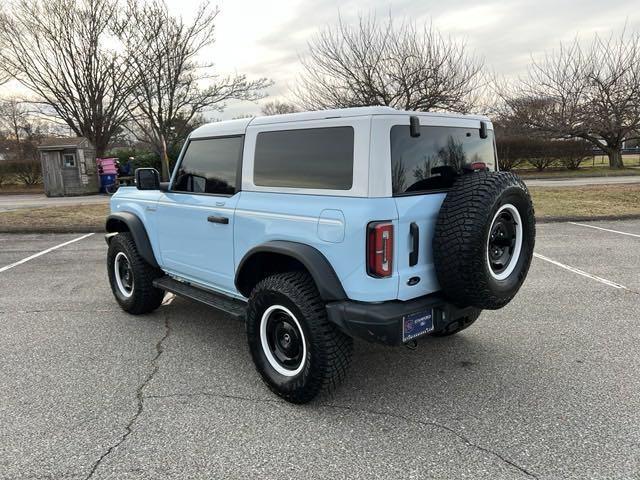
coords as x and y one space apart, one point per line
235 308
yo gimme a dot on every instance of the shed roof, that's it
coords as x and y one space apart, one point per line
58 143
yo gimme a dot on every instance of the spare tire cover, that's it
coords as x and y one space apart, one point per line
484 239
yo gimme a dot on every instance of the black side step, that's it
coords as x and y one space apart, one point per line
235 308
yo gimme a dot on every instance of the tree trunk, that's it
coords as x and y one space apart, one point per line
164 159
615 158
99 145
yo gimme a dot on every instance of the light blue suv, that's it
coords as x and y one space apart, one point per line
319 227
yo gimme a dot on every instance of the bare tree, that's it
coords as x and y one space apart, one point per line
14 119
5 76
21 128
57 49
381 63
590 92
170 83
277 107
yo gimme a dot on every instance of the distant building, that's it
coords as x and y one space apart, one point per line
68 166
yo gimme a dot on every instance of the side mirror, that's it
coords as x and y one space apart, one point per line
147 179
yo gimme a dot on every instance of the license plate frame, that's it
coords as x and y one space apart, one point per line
416 324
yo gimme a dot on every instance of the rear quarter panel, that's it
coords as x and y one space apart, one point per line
262 216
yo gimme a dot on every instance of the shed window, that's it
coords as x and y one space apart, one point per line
69 160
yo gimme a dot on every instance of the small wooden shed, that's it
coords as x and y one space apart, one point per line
68 167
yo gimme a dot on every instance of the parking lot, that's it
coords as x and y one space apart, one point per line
548 387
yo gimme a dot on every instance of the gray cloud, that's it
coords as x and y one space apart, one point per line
505 33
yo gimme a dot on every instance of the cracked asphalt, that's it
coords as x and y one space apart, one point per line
546 388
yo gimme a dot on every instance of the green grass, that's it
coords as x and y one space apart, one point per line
591 201
12 189
79 218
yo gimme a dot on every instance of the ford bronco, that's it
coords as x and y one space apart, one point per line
320 227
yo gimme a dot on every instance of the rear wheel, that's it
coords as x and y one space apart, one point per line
296 350
131 277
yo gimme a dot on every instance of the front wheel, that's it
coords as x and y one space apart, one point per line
296 350
131 277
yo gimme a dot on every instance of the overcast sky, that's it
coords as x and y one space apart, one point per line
266 37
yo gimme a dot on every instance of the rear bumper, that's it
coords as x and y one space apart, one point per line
382 322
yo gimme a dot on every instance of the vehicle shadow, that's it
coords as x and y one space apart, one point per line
207 352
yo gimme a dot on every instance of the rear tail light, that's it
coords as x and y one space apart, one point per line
380 249
478 166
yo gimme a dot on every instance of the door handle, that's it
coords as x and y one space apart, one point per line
415 237
214 219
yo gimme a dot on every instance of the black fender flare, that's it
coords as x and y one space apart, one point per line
127 221
323 274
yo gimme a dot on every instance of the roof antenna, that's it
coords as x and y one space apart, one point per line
414 126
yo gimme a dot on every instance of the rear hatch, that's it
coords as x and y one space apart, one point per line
423 170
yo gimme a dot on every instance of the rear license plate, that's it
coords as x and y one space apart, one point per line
416 324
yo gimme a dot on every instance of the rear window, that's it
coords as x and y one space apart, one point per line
433 160
319 158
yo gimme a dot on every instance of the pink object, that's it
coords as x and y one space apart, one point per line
108 165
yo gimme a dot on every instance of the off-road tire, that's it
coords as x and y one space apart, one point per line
462 234
144 297
328 349
457 325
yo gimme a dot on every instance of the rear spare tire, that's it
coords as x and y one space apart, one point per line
484 239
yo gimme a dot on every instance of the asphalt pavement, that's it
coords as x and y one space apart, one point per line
545 388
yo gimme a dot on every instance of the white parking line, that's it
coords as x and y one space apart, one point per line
36 255
581 272
605 229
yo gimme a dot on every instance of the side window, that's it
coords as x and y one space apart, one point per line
308 158
210 166
69 160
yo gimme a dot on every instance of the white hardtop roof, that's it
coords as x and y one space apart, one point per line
235 127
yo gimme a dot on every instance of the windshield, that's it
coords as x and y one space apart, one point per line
433 160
